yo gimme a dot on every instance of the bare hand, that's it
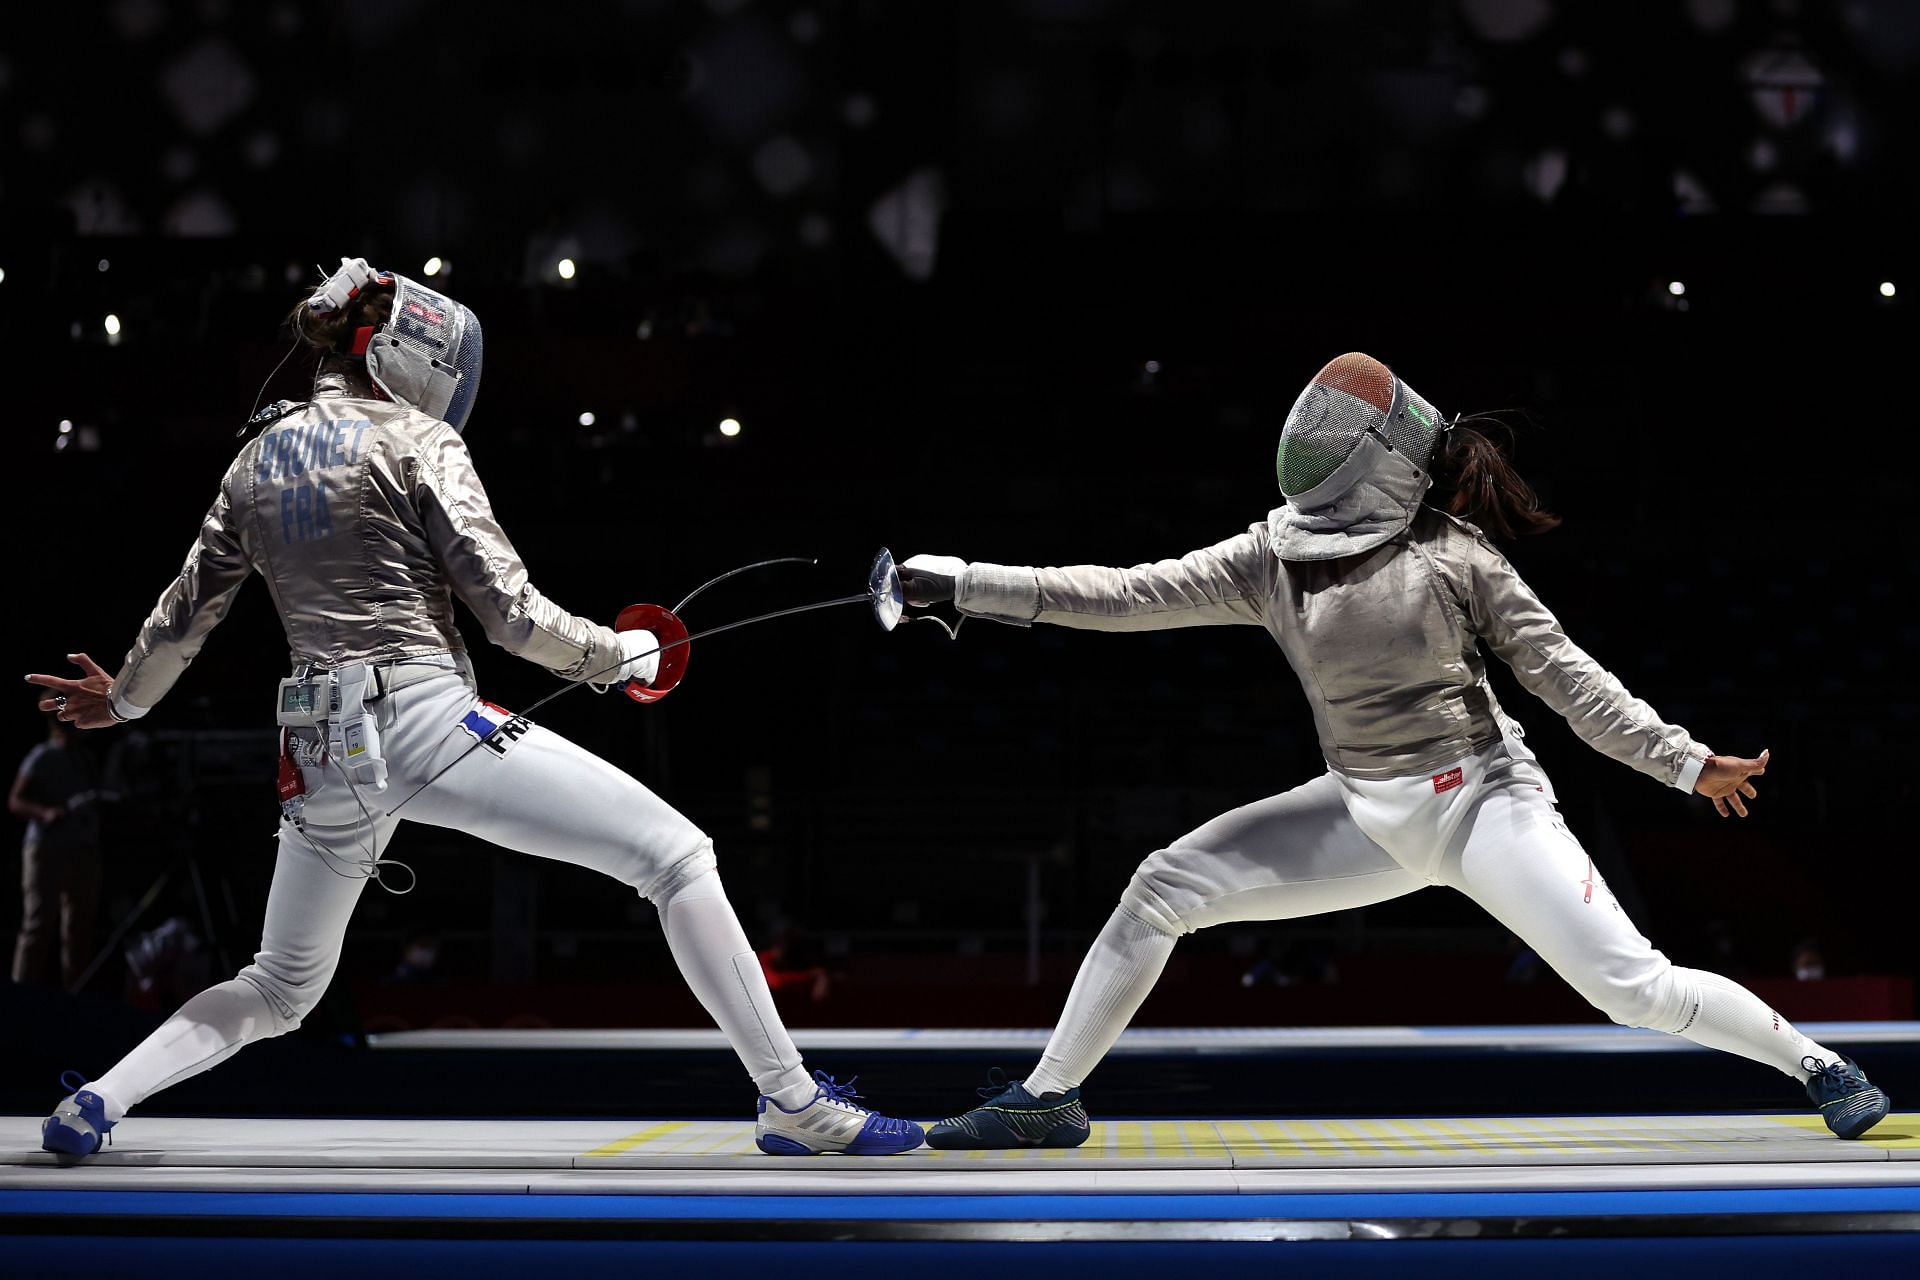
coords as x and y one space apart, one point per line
81 703
1724 781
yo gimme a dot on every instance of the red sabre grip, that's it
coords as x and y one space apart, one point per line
668 630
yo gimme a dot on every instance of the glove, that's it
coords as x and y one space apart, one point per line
929 580
641 649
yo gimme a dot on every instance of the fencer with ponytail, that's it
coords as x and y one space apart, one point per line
1474 479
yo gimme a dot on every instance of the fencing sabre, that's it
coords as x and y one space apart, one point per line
884 594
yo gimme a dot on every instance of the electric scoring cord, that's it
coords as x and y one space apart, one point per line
261 393
609 670
369 867
758 564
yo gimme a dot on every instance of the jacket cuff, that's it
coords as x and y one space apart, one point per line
1695 761
122 710
1005 593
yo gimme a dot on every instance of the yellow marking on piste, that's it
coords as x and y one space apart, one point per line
1239 1145
620 1146
1182 1137
724 1139
1353 1137
1900 1131
1396 1136
1460 1135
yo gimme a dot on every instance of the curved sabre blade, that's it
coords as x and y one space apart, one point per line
883 584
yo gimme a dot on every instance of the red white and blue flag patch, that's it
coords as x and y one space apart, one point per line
495 727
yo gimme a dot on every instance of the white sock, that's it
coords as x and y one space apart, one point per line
715 959
1731 1018
1116 976
208 1029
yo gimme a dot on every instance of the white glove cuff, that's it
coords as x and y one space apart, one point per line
1005 593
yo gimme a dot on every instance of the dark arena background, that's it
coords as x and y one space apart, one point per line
1030 282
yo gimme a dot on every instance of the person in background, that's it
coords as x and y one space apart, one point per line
54 790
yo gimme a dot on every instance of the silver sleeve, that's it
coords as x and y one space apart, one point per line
1225 583
1520 629
188 610
486 572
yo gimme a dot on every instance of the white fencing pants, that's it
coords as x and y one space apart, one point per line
1491 832
535 793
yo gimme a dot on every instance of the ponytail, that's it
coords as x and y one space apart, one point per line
332 332
1475 481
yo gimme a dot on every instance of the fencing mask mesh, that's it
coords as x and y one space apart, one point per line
428 353
1353 397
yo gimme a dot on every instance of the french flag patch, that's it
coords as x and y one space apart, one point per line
494 726
1447 781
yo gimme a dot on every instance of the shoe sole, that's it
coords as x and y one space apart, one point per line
778 1144
955 1140
1857 1127
65 1141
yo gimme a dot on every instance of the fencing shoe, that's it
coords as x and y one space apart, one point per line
832 1124
79 1125
1848 1101
1012 1117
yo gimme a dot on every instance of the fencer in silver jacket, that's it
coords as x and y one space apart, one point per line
1379 602
366 518
1386 643
1382 606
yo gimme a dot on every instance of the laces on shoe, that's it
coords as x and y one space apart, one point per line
834 1091
997 1084
1834 1073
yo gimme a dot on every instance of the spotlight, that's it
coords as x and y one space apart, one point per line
3 275
1886 289
1153 366
586 419
729 427
433 267
113 326
101 265
1677 288
66 426
565 268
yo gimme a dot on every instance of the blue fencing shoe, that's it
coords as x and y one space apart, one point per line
79 1125
832 1124
1848 1101
1012 1117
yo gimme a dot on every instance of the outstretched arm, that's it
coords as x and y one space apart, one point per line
173 634
486 572
1225 583
1506 614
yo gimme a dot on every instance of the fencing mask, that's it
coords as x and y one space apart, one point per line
427 354
1353 461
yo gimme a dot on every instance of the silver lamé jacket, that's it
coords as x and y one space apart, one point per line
366 518
1387 642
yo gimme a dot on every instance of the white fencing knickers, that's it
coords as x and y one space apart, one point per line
530 790
1486 826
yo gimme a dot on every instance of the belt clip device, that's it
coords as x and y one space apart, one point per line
353 732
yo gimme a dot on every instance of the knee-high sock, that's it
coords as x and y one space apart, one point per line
1727 1016
208 1029
1125 962
715 959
